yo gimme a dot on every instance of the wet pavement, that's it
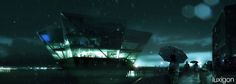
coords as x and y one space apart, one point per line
63 77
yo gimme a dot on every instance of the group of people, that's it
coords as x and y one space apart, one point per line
199 74
195 72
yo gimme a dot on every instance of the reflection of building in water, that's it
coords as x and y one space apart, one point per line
79 41
224 40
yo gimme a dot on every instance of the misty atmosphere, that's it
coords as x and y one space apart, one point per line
25 56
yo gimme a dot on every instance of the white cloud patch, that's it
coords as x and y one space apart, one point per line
156 60
150 61
201 57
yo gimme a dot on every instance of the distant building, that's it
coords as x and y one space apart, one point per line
224 40
97 45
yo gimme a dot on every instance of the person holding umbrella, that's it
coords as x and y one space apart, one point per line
195 69
174 70
186 69
195 66
174 56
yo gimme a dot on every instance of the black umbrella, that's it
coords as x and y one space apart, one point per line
194 62
170 52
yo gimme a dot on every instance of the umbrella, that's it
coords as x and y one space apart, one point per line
194 62
170 52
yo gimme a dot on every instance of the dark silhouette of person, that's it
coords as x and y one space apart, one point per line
195 67
195 70
203 73
186 68
173 69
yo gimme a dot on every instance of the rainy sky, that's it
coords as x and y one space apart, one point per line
186 24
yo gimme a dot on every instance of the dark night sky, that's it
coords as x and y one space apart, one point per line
166 19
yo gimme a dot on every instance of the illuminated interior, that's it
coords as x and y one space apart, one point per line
73 38
67 52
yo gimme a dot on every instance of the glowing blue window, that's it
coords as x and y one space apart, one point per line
45 37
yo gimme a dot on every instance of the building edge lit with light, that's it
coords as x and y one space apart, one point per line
93 44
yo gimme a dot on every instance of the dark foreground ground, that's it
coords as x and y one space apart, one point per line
64 77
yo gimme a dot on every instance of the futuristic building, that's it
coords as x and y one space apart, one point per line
92 43
224 40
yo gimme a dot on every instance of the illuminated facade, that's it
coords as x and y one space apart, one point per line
84 37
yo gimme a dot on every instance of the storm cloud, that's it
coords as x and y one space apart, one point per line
20 20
